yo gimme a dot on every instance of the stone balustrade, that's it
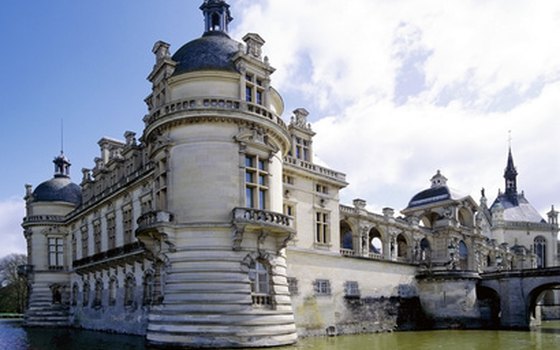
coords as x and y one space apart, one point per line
315 168
347 252
220 103
117 253
151 218
262 218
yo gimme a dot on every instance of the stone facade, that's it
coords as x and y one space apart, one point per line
216 228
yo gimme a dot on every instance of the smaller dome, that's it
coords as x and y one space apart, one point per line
431 195
212 51
439 192
58 189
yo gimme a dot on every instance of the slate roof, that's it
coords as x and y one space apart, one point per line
213 51
522 212
58 189
434 195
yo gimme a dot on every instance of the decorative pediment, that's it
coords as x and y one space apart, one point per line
255 137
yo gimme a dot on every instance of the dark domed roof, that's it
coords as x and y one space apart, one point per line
213 51
431 195
58 189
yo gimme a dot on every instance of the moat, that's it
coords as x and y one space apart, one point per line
14 337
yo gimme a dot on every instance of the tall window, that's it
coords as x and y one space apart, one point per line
111 231
75 291
86 292
463 256
98 293
127 224
129 287
85 238
540 251
56 253
322 228
97 237
303 151
256 182
113 291
260 283
149 288
254 89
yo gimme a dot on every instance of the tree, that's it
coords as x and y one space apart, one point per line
13 287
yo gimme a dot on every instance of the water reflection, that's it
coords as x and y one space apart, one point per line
14 337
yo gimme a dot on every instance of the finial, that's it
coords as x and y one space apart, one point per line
61 136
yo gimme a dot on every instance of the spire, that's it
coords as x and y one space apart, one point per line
216 16
510 175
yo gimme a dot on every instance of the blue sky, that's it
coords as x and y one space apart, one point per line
396 90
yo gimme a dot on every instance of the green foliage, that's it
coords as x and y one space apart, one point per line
13 287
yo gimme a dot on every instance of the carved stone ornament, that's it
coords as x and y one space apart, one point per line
255 137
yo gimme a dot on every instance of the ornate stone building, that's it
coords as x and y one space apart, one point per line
216 228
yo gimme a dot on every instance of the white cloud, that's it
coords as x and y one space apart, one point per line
399 89
12 211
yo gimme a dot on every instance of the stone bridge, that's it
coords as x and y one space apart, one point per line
517 293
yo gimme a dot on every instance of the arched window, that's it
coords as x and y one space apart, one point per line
215 21
402 247
86 292
463 256
346 237
425 250
75 291
148 288
56 292
129 287
113 286
98 293
375 242
540 251
259 277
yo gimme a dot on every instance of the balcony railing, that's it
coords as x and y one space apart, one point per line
262 218
198 103
314 168
120 252
152 218
347 252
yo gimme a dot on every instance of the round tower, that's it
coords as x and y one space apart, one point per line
48 243
214 133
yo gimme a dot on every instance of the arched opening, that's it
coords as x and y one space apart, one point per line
425 250
544 304
463 256
429 220
489 306
346 236
98 293
113 291
375 242
540 251
402 247
75 291
86 292
148 288
466 217
56 291
129 290
215 21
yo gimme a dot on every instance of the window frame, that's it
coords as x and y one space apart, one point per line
256 180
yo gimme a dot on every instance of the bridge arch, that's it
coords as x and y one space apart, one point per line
489 304
535 296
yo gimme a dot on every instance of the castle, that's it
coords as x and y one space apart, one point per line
216 228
